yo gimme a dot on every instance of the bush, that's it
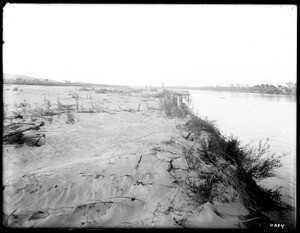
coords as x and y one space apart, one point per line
196 125
169 106
202 191
22 108
136 90
75 95
161 94
86 89
251 165
101 91
70 117
37 111
256 165
59 105
104 90
47 104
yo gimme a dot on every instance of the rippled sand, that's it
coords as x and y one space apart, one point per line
106 170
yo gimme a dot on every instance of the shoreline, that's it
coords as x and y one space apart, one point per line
121 167
233 91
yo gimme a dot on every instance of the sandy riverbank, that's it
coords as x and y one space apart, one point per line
109 169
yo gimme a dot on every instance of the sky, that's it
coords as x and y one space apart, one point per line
137 45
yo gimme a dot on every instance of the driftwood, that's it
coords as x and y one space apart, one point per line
13 133
17 128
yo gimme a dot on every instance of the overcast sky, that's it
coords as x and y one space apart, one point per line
191 45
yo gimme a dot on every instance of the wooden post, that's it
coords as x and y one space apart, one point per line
179 101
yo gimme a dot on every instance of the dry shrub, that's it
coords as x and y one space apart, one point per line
22 108
59 105
251 165
86 89
117 91
136 90
70 117
5 111
101 91
202 191
37 111
74 95
169 106
161 94
47 106
255 164
196 125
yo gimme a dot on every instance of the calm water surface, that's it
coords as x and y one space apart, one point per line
253 117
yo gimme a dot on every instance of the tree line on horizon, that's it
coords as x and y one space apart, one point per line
289 88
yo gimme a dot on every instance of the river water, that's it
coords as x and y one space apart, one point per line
252 117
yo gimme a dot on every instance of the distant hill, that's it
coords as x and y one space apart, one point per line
10 78
26 80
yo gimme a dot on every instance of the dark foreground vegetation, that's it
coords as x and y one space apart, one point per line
221 169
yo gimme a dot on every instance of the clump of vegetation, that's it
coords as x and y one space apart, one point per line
161 94
24 110
104 90
4 111
224 164
59 105
76 97
152 89
70 117
168 104
37 111
101 91
15 89
197 125
86 89
21 109
47 106
201 190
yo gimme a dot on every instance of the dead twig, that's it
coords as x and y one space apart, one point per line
138 163
138 109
